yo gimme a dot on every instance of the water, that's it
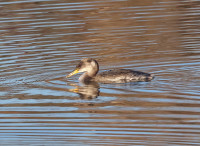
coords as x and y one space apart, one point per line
42 41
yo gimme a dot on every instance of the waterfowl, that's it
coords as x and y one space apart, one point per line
90 67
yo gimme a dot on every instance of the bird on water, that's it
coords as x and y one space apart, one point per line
90 67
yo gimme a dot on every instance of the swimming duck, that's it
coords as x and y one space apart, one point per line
90 67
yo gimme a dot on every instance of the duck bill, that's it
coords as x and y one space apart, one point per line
72 73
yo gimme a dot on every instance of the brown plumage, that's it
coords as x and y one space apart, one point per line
90 67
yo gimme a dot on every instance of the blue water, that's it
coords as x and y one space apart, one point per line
42 41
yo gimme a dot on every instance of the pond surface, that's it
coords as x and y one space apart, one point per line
41 41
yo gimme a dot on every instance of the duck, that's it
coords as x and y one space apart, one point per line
90 69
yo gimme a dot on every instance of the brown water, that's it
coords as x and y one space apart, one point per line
41 41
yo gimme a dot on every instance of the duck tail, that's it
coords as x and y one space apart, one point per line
151 77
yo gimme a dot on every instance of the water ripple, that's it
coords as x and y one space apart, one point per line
42 41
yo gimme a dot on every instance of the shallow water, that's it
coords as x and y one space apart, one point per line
42 41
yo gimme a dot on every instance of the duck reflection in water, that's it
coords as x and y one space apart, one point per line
87 90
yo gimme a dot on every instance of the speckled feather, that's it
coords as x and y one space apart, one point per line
122 76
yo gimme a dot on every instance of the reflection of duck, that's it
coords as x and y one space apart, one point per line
89 91
91 68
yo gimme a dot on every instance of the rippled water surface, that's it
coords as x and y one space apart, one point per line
41 41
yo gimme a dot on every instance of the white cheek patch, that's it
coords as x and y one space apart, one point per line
93 63
88 68
84 69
